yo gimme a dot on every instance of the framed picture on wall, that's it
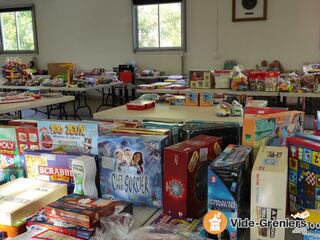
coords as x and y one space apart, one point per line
249 10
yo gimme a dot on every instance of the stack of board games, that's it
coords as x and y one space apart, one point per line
268 185
185 168
68 136
77 215
229 186
304 172
22 197
131 168
173 127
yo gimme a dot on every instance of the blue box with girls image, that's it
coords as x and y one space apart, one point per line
131 168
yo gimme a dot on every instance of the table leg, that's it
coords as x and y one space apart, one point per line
113 93
126 94
48 112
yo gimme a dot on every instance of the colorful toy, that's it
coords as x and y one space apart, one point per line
270 129
239 81
228 186
131 168
184 175
304 172
69 136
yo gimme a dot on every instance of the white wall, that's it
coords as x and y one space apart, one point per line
98 33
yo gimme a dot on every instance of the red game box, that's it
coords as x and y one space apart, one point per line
80 210
185 172
140 105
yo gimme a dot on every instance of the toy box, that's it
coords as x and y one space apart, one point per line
13 231
269 177
229 131
229 186
192 99
173 127
271 129
80 210
68 136
304 172
184 175
201 79
141 131
206 99
131 168
22 197
50 166
222 79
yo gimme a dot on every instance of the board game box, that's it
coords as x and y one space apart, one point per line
50 166
229 186
131 168
230 132
184 175
271 129
73 230
173 127
68 136
269 177
206 99
80 209
304 172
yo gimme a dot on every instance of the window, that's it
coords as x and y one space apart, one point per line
17 30
158 25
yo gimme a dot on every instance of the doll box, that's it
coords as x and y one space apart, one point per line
131 168
229 185
68 136
184 172
304 172
269 177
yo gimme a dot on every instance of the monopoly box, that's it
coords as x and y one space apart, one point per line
68 136
269 177
270 129
229 186
131 168
184 175
304 172
50 166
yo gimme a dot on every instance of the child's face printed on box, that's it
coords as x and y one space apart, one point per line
136 159
119 156
127 154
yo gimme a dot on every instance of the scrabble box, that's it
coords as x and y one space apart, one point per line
269 177
131 168
50 166
304 172
270 129
68 136
229 186
184 175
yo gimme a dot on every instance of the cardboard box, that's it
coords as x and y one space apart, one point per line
131 168
141 131
270 129
229 186
55 69
68 136
206 99
269 178
80 210
40 219
184 175
50 166
304 172
173 127
192 99
201 79
222 79
22 197
230 132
